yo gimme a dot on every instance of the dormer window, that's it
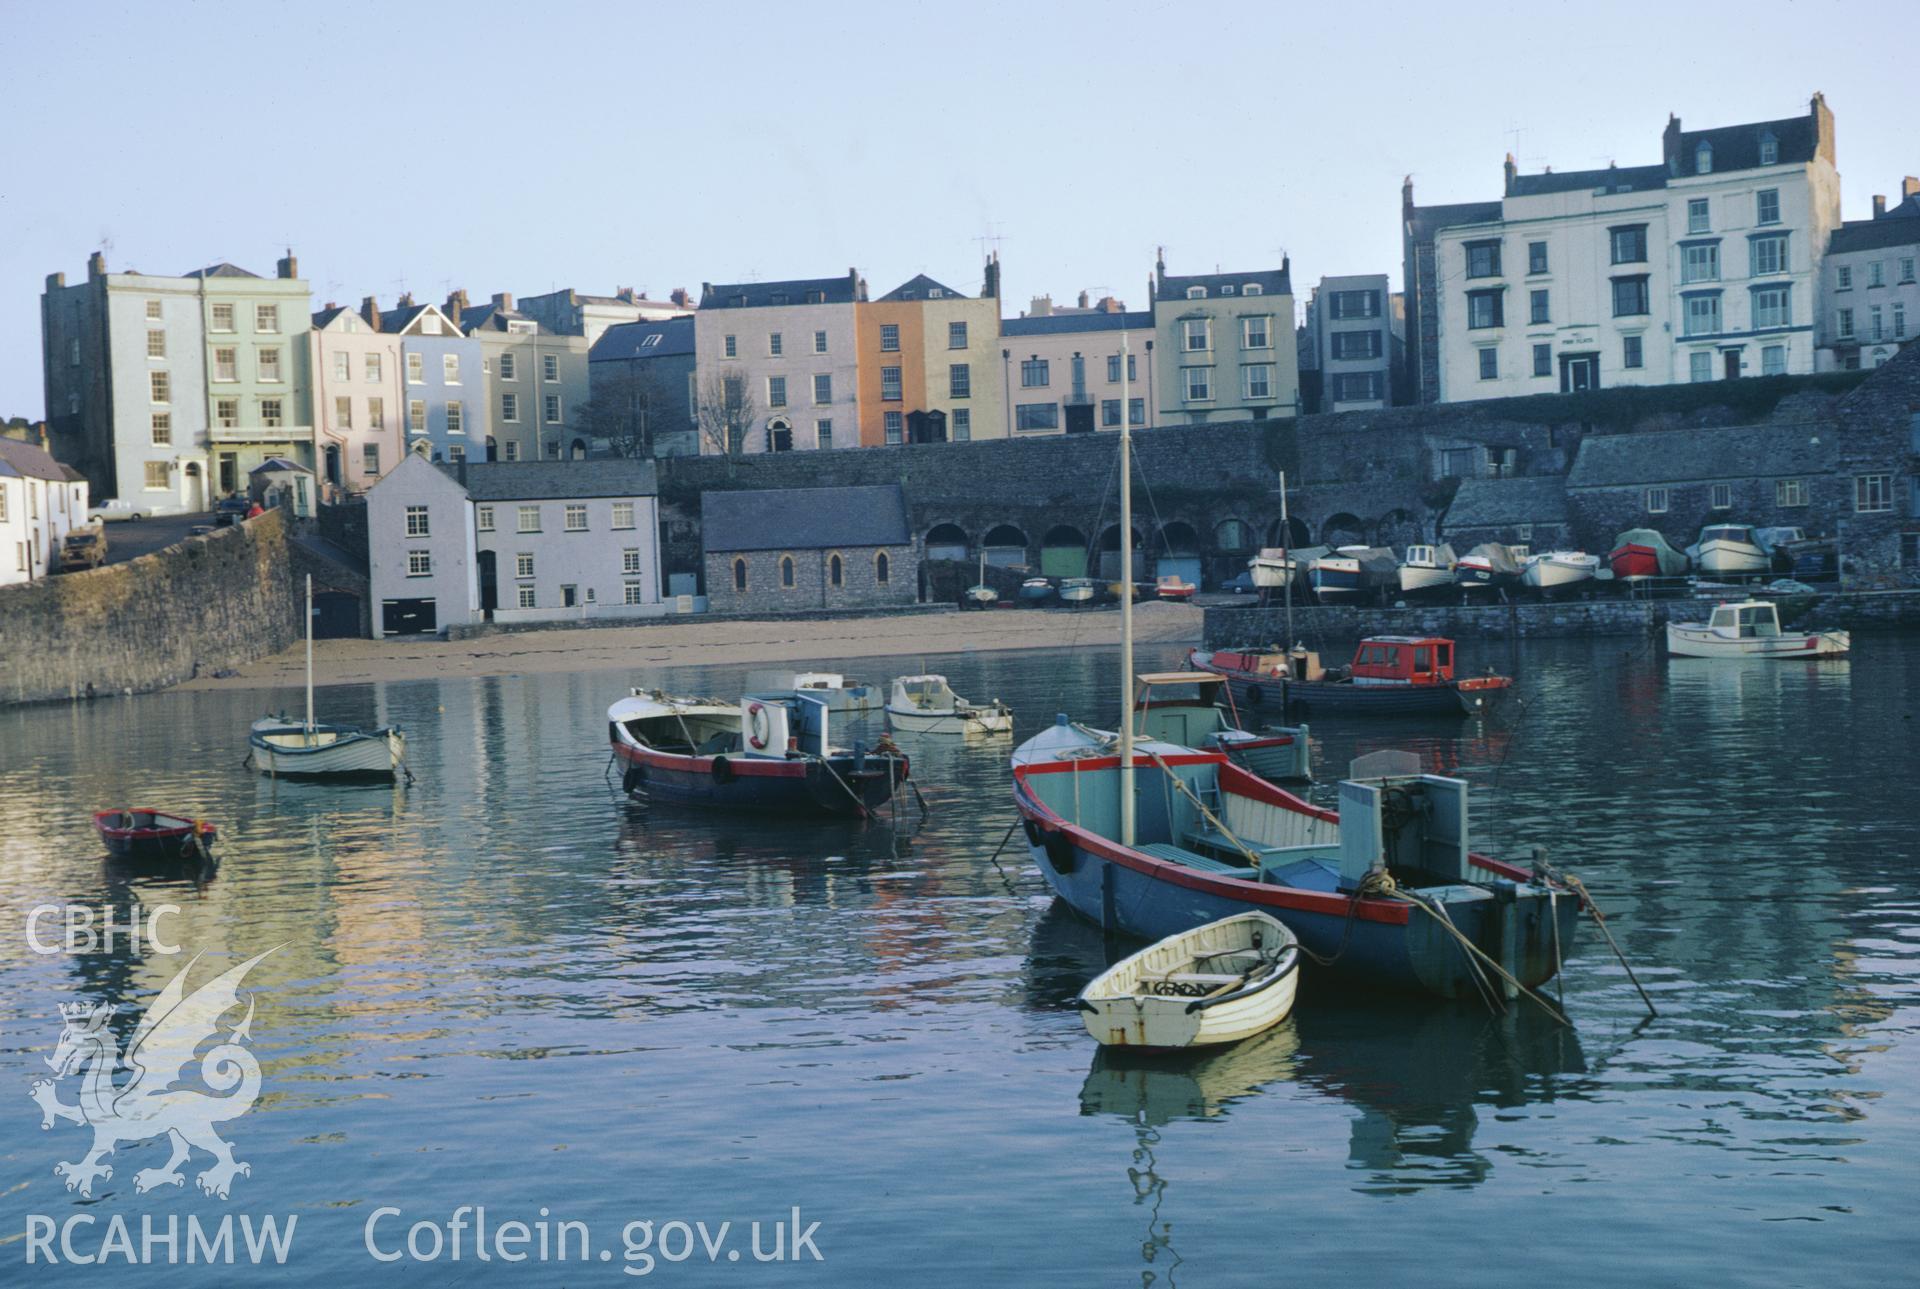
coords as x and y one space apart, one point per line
520 328
1196 293
1253 288
650 341
1227 289
1769 148
934 293
778 297
1703 159
906 295
430 324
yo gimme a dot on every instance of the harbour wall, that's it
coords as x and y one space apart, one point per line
1228 626
201 605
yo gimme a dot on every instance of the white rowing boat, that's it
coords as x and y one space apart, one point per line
927 705
1217 983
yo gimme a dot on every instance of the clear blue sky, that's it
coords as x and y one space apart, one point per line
523 147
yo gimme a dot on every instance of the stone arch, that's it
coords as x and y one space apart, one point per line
579 452
1110 553
1176 552
948 541
1343 529
1005 546
1063 552
1398 528
1293 534
1233 536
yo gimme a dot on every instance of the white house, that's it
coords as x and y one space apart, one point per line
41 501
1870 285
513 542
1703 267
791 347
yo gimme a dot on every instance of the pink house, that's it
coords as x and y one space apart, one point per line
357 409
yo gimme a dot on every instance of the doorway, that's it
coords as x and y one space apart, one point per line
1579 372
489 585
196 497
334 476
1731 357
229 474
408 617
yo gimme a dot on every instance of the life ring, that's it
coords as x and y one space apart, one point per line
757 726
1254 695
722 770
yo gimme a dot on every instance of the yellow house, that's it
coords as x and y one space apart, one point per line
929 363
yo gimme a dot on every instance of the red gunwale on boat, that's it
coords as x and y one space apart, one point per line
139 833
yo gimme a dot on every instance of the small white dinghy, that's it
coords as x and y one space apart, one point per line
1217 983
927 705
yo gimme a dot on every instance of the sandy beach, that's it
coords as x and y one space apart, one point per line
689 641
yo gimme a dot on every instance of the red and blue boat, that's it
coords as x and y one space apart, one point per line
154 836
1389 676
1383 894
768 753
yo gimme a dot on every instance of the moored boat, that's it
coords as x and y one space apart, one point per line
1213 984
310 749
1488 569
1171 586
1211 840
1036 590
1077 591
830 687
926 704
1389 676
769 752
1728 550
1751 629
1427 570
1641 553
1557 571
1179 710
154 836
1352 573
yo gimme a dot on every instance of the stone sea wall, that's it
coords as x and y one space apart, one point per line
199 606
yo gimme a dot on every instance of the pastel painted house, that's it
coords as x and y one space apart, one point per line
357 406
443 386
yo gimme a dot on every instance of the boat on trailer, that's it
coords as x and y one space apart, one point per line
1078 591
926 704
1214 984
1751 629
1272 568
1389 676
1353 573
1556 571
1641 553
1488 569
1171 586
154 836
768 752
1728 550
1211 840
1427 570
1036 590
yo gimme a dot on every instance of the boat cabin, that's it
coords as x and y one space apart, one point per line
1741 533
1750 620
1403 660
761 725
1300 664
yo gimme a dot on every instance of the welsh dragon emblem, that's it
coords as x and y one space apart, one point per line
161 1055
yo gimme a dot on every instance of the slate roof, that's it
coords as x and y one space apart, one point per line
1612 179
1061 323
1272 282
918 287
1737 147
759 295
1491 503
1428 220
325 316
1898 227
803 518
628 340
546 480
485 317
395 320
31 461
222 269
1691 456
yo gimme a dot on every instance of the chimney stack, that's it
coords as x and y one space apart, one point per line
456 305
288 267
56 279
1083 299
406 300
1879 205
370 312
626 295
990 289
1511 171
680 297
96 266
503 301
1909 187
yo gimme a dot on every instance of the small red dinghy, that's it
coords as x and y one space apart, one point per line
153 836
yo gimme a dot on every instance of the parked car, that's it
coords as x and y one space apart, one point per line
117 509
1240 584
230 511
83 548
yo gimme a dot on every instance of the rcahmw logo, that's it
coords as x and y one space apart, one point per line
158 1101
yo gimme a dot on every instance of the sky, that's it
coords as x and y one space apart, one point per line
527 147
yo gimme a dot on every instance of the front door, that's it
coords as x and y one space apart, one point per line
1732 358
1578 372
489 584
229 474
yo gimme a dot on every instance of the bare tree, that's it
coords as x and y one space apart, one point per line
627 410
725 413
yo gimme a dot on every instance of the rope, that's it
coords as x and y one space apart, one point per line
1600 921
1476 952
860 805
1253 857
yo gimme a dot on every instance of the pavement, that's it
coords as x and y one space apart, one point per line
130 538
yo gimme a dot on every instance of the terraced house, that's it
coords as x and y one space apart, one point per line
927 356
1225 346
166 390
356 396
442 387
788 352
536 381
1062 367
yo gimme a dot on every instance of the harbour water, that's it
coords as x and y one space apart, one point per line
506 986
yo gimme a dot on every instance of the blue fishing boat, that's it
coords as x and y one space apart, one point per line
1385 893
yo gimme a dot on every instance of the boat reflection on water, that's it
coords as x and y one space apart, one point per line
1153 1089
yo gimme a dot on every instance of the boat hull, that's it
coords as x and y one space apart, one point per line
1122 1008
168 843
1688 640
960 723
1548 576
775 785
1419 580
1372 943
1276 758
1468 697
1725 558
1270 573
282 750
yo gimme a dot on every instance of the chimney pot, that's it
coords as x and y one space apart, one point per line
288 267
96 265
406 300
1083 299
503 301
56 279
370 312
680 296
1879 206
1909 187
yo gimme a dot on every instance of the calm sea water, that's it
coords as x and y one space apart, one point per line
505 986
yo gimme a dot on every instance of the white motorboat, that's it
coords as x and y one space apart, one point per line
1557 570
1216 983
310 749
927 705
1751 629
839 693
1427 570
1078 590
1728 550
1271 568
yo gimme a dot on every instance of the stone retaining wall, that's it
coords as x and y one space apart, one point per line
200 605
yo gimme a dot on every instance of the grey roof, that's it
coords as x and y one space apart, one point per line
222 269
1612 179
1490 503
629 340
757 295
1688 456
1428 220
803 518
1272 281
327 315
542 480
30 460
487 317
279 465
918 288
1898 227
399 319
1055 324
1737 147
